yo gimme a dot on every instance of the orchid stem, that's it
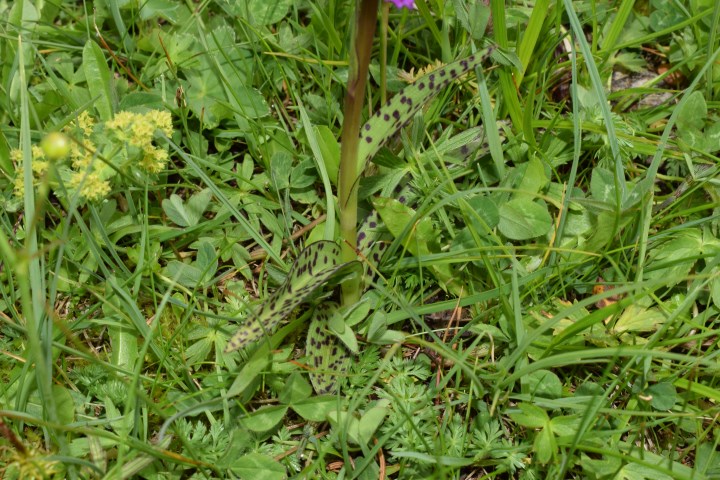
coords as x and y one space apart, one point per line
362 40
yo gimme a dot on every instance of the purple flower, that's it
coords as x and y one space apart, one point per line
409 4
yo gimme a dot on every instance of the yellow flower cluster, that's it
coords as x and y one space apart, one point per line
91 184
39 167
85 122
138 129
89 176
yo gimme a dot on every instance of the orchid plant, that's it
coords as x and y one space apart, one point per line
326 263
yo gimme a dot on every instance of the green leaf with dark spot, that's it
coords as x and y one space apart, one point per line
317 265
329 356
403 106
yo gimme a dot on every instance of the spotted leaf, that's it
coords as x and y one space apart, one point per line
317 265
329 356
402 107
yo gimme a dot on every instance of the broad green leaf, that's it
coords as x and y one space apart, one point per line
250 102
712 138
356 313
64 405
420 238
602 185
529 416
371 420
533 180
296 389
635 471
330 357
402 107
638 319
199 201
186 215
97 75
715 291
360 430
664 395
166 9
397 217
206 260
604 467
693 113
486 209
208 100
264 418
545 445
262 12
674 259
256 466
707 458
183 274
258 363
542 383
344 333
316 408
565 426
317 265
523 219
81 446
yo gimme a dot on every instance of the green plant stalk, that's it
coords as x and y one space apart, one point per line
361 49
29 273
